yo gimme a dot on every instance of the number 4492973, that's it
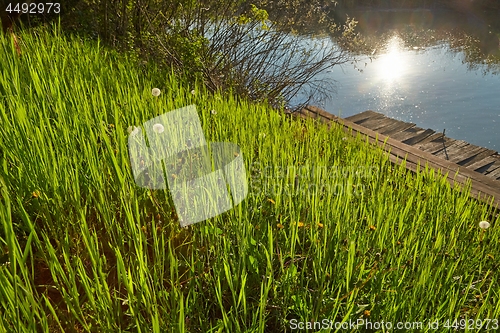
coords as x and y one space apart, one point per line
34 8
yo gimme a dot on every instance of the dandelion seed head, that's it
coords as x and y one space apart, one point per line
484 224
193 92
213 112
156 92
158 128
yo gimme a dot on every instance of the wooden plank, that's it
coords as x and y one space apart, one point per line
457 144
321 112
428 139
478 157
437 145
466 154
362 116
439 139
495 174
316 113
398 127
451 149
482 163
367 120
407 134
489 168
418 138
377 123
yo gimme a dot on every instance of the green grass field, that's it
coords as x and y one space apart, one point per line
330 230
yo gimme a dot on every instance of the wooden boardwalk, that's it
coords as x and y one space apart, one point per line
461 161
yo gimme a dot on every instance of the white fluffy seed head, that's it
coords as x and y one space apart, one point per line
484 224
158 128
156 92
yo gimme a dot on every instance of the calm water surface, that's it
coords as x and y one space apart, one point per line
429 87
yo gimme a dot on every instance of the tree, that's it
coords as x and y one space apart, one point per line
227 45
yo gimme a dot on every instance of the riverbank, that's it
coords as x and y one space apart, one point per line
330 229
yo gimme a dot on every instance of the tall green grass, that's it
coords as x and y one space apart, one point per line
330 228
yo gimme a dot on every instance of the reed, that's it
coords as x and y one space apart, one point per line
330 228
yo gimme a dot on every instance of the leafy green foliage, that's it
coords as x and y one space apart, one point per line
235 46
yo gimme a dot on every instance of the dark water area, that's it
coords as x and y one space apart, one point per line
436 67
439 23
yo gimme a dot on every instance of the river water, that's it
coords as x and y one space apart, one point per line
432 86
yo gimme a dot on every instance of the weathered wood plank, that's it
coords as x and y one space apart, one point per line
363 116
433 145
494 174
478 157
321 112
316 113
457 145
486 170
376 123
425 134
398 127
407 134
437 145
466 154
482 163
428 139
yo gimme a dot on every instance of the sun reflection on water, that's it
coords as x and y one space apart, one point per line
392 65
